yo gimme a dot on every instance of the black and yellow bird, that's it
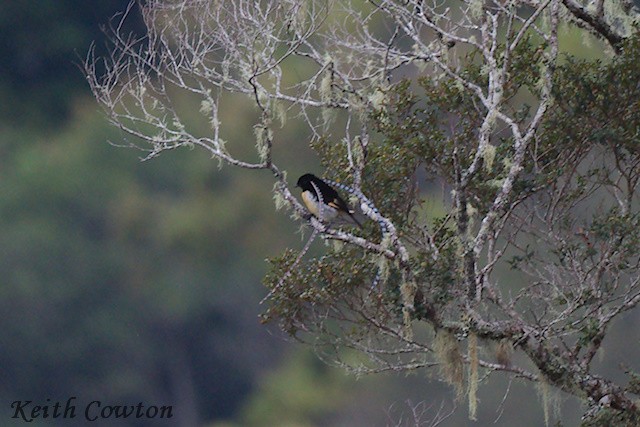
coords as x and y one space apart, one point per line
332 204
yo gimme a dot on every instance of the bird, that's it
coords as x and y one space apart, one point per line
333 205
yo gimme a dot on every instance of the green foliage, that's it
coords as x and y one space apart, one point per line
595 111
441 274
420 126
432 125
595 103
425 125
333 279
393 160
588 332
284 397
606 417
121 274
634 382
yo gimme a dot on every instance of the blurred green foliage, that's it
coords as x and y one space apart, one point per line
285 398
124 280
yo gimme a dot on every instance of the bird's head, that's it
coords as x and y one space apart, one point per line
305 181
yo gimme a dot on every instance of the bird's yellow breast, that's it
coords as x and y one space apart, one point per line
312 205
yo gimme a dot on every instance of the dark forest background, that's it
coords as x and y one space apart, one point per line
127 281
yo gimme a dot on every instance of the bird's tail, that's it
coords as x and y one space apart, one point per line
354 219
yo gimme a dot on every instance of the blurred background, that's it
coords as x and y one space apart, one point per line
126 281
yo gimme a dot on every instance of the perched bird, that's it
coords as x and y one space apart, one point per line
332 204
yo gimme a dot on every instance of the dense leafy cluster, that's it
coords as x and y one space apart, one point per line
565 206
419 127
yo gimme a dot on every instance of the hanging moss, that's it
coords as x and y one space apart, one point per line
474 363
447 352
